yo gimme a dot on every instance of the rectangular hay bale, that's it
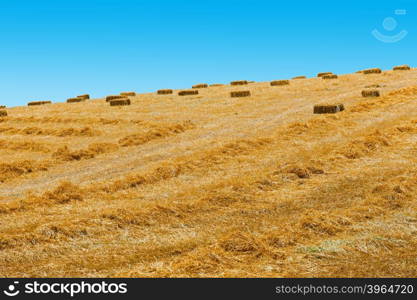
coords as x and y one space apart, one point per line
120 102
299 77
39 103
85 96
127 94
165 92
188 93
240 94
328 109
3 113
114 97
330 76
402 68
75 100
324 74
371 93
200 86
280 82
239 82
372 71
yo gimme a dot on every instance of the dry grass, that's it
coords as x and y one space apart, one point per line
208 186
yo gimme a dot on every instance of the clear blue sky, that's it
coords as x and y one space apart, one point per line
53 50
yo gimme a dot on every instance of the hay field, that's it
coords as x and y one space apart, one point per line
212 186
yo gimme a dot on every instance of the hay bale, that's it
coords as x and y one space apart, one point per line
216 84
3 113
200 86
329 76
74 100
328 109
324 74
239 82
188 92
165 92
39 103
372 86
114 97
128 94
280 82
84 97
402 68
120 102
299 77
240 94
371 93
372 71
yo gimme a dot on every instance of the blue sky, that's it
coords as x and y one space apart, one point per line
53 50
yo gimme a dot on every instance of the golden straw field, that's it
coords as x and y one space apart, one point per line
209 185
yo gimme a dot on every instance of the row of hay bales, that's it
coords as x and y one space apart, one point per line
122 99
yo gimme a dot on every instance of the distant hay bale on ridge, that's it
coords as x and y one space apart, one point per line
75 100
402 68
330 76
370 93
279 82
114 97
84 97
165 92
372 71
200 86
127 94
3 113
328 108
120 102
324 74
188 92
239 82
240 94
299 77
39 103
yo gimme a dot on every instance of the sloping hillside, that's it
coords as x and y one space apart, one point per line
209 185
